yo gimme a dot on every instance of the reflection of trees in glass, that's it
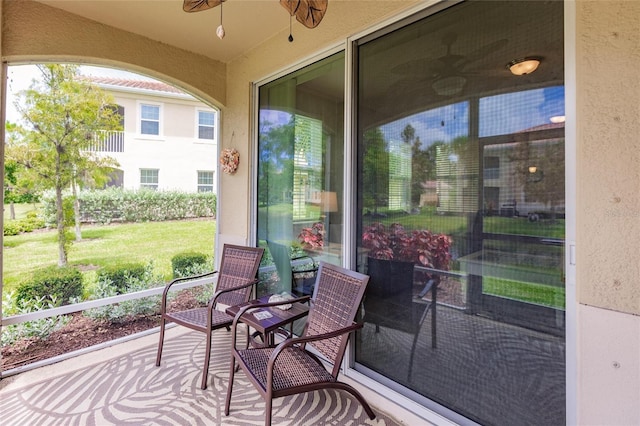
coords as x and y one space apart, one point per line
423 163
375 170
275 171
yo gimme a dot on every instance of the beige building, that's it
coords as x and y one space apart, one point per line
597 320
168 141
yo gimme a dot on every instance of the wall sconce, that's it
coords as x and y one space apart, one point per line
524 65
535 175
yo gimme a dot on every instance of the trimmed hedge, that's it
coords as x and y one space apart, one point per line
52 283
120 205
28 224
184 263
119 276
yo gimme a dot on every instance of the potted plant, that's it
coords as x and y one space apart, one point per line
312 238
393 252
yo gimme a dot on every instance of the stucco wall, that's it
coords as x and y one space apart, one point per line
608 212
608 157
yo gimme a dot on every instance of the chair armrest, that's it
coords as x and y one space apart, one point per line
428 287
218 293
301 341
304 256
244 309
212 302
167 287
306 339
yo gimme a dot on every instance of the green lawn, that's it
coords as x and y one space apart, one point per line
106 245
21 210
540 294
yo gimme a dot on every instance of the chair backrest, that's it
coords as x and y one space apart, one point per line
336 299
238 266
282 261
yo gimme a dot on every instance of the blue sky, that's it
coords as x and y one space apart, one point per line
19 77
500 114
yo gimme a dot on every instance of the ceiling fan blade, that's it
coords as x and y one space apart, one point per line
308 12
198 5
485 50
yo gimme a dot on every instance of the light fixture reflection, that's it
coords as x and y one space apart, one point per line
524 65
557 119
449 86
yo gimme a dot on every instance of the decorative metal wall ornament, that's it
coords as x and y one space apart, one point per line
308 12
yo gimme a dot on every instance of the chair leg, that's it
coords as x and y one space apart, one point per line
232 370
160 342
207 355
268 409
357 395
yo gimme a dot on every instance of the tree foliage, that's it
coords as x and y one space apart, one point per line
61 113
375 170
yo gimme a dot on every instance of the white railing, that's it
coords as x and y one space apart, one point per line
107 141
78 307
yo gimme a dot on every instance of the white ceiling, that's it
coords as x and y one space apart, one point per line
247 23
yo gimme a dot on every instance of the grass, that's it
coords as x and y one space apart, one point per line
106 245
21 210
454 224
540 294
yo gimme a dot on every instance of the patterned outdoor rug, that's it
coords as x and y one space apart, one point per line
131 390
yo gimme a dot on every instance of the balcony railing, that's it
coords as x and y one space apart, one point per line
107 141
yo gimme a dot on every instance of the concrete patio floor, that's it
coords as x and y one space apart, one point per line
121 385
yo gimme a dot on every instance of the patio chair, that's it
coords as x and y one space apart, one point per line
236 277
291 368
299 279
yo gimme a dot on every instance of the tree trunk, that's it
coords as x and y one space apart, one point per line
62 250
12 211
76 210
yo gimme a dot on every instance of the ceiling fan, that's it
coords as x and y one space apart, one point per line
448 73
308 12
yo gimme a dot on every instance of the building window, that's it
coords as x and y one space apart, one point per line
149 178
149 119
491 167
206 125
205 181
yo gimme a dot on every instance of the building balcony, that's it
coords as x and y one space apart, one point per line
107 141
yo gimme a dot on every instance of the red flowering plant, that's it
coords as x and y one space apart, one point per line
421 247
312 238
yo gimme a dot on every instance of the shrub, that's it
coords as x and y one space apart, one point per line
189 263
39 329
56 284
116 204
120 275
17 226
123 311
12 227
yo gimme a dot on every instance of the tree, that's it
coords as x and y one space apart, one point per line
375 169
62 114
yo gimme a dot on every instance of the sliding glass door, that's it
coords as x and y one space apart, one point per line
460 210
300 174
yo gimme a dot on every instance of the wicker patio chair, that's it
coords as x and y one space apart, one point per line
299 279
290 368
235 279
